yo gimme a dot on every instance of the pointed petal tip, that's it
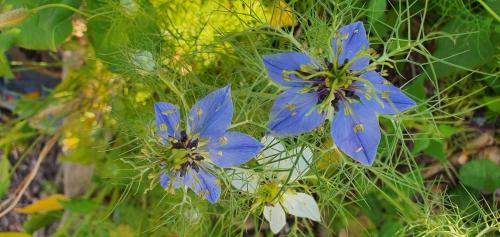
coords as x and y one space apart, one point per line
163 180
227 88
158 104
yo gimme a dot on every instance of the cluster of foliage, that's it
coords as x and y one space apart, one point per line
430 175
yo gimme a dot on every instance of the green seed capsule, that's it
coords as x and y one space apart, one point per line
13 17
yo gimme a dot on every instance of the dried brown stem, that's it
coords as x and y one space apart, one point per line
27 181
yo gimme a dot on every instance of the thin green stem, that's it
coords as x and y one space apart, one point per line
489 10
61 6
177 92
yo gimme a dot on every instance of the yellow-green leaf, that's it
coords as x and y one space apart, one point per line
14 234
49 203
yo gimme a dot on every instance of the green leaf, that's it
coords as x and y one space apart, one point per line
38 221
376 10
390 228
482 175
4 172
47 28
7 39
421 143
436 150
110 36
463 197
416 89
494 5
447 130
492 103
376 13
464 51
79 205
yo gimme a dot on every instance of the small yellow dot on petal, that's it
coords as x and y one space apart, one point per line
163 127
168 111
291 106
359 128
223 140
386 82
219 153
384 94
347 110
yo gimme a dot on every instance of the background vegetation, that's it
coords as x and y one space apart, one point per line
81 153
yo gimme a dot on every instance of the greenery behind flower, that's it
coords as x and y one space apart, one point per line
442 53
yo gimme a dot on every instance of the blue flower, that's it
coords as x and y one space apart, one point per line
203 145
343 84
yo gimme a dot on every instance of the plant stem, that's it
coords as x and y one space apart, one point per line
61 6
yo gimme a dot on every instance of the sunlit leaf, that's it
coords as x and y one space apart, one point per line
49 203
47 28
14 234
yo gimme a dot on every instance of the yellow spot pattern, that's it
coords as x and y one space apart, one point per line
359 128
163 127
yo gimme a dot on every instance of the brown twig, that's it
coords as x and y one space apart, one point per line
27 181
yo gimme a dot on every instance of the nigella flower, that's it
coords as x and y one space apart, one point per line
204 144
279 165
343 84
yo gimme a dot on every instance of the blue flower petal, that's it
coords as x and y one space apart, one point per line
290 61
353 39
164 180
355 130
167 120
211 116
232 149
393 99
291 113
203 184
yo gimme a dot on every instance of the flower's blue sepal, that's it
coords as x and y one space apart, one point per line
164 180
211 116
393 99
355 130
233 149
167 120
353 39
293 113
289 61
203 183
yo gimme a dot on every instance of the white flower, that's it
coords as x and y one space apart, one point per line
279 162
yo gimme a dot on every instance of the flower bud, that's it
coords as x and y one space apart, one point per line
13 17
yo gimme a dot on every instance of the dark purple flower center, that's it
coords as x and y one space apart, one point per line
190 158
335 81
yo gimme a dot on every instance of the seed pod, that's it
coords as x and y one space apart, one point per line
13 17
